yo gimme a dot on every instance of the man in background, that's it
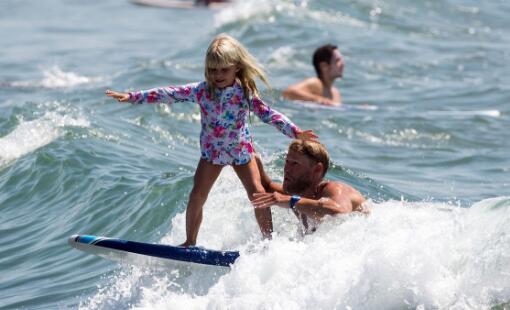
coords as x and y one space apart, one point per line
329 65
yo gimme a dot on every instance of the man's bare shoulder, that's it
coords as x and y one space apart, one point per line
333 188
312 83
307 90
334 185
347 196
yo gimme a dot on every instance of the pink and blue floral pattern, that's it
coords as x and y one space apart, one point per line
225 138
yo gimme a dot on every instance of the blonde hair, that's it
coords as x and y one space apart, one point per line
226 51
313 150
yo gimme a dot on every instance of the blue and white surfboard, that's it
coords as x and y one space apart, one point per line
149 254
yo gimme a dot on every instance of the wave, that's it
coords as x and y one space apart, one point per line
29 136
405 254
270 10
55 77
406 137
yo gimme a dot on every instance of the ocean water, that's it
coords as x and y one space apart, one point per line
433 157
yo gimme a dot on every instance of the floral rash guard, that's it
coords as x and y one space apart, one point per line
225 138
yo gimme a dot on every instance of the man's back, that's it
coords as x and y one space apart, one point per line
313 90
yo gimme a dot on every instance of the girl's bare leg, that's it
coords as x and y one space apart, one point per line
250 177
205 176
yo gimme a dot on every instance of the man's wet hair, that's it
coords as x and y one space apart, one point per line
322 54
313 150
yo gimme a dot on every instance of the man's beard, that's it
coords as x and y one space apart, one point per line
298 186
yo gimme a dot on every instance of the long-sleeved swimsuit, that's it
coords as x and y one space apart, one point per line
225 138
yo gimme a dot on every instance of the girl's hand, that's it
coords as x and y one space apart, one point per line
265 200
307 135
121 97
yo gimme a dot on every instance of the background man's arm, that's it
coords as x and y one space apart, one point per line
300 91
304 90
307 90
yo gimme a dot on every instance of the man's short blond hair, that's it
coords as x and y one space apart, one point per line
313 150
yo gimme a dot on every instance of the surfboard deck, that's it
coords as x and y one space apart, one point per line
150 254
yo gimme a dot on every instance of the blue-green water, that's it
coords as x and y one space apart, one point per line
433 157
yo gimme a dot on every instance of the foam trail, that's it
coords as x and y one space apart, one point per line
249 10
489 113
242 10
29 136
57 78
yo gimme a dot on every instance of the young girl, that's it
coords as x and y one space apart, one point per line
225 97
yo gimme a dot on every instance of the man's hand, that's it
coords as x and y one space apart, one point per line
362 208
265 200
121 97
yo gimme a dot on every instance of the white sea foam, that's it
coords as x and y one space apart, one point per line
285 58
55 77
266 9
29 136
404 255
242 10
408 137
464 114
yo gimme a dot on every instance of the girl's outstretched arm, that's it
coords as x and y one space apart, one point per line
168 94
120 97
280 121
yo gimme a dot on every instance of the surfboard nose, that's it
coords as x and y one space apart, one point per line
72 239
83 239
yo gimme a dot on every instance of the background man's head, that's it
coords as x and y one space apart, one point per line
306 164
327 60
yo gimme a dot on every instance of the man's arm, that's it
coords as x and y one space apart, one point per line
346 198
336 198
318 208
315 208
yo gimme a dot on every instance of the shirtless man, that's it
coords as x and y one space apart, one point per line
304 189
329 65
